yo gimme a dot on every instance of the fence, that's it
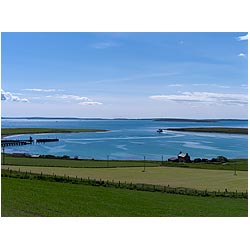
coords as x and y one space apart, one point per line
124 185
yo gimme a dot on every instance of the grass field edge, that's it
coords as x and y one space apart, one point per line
125 185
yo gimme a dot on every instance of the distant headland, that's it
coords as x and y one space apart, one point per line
16 131
194 120
213 130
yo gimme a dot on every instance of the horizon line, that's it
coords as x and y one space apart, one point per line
117 118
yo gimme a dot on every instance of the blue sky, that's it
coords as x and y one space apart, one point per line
133 75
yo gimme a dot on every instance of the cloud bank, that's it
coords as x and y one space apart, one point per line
41 90
90 103
9 97
82 100
242 38
175 85
242 55
211 85
73 97
204 97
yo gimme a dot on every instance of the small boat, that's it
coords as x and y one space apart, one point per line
160 130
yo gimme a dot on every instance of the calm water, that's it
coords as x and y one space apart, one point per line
131 139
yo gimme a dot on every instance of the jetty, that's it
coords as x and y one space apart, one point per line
46 140
6 143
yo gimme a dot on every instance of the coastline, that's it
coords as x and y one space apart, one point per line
224 130
128 144
18 131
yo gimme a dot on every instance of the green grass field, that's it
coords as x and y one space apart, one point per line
43 198
10 160
213 177
240 164
21 197
201 179
14 131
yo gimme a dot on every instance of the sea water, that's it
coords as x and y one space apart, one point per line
131 139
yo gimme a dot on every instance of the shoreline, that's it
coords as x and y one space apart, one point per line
71 158
20 131
224 130
9 132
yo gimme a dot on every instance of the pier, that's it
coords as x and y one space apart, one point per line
46 140
6 143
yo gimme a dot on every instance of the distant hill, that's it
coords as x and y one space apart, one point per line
195 120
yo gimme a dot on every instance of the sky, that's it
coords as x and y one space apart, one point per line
125 75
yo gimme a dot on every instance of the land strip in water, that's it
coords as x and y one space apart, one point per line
194 120
213 130
16 131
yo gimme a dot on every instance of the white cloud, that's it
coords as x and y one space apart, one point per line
73 97
104 45
210 85
175 85
82 100
7 96
242 38
90 103
41 90
204 97
242 55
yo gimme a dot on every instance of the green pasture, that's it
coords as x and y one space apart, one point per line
201 179
22 197
25 161
239 164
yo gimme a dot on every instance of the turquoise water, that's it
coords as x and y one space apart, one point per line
131 139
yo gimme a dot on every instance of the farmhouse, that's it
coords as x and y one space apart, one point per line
183 157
